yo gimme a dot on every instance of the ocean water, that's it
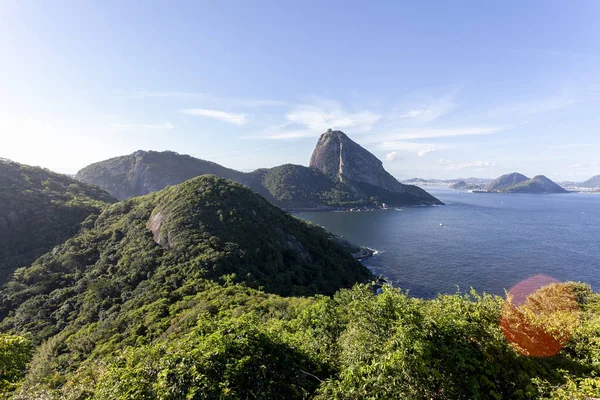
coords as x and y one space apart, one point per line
486 241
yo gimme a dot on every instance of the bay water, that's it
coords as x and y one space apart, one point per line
482 240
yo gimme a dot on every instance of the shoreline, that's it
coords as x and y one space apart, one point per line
356 209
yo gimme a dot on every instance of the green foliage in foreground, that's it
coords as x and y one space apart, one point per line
232 342
40 209
15 353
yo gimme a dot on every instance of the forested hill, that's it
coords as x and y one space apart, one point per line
288 186
40 209
161 245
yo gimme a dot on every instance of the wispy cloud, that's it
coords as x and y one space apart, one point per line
430 133
167 126
477 165
420 149
432 110
394 156
584 165
329 114
212 99
231 118
426 151
284 134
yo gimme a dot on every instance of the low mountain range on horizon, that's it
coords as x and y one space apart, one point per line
432 181
519 183
341 174
592 183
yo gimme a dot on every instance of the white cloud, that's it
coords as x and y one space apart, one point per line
431 111
329 114
285 134
167 126
429 133
420 149
478 165
409 146
231 118
426 151
394 156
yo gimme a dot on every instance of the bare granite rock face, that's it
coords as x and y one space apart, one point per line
339 157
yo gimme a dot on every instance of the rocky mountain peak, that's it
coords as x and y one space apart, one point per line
338 156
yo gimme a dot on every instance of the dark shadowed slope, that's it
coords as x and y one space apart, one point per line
40 209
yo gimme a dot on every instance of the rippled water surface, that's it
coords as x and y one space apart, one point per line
486 241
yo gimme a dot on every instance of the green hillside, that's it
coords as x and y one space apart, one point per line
295 186
40 209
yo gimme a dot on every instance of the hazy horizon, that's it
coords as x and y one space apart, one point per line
435 91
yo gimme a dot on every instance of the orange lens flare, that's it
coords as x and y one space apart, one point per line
539 316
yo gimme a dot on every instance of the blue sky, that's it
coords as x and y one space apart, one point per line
433 88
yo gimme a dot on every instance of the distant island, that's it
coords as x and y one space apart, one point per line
519 183
341 175
466 186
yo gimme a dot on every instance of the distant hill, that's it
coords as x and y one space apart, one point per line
288 186
593 182
505 182
145 172
466 186
40 209
519 183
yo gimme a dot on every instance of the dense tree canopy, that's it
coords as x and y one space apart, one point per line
40 209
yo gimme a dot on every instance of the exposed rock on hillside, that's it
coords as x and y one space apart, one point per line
342 159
